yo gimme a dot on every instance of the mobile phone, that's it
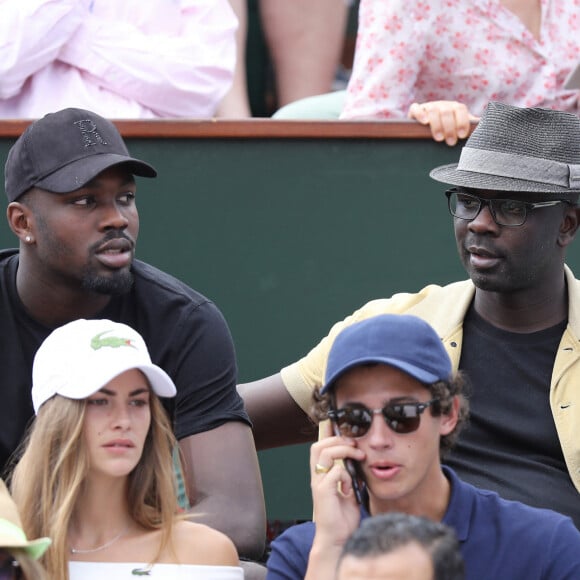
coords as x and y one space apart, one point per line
572 81
350 466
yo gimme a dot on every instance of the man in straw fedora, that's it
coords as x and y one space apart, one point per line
513 327
18 554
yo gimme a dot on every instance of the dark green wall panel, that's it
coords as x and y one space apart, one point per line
289 235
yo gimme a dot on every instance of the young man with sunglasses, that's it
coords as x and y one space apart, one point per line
395 405
514 327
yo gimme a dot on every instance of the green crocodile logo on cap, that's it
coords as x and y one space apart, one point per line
113 341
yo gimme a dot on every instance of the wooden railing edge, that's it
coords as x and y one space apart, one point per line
255 128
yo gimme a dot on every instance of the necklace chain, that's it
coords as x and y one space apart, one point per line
102 546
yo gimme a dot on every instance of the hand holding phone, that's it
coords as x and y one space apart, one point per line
350 466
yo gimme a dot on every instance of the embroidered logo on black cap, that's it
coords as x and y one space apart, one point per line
89 132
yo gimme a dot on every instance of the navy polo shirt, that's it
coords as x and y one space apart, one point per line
499 539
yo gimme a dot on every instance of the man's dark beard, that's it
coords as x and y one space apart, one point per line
115 285
118 283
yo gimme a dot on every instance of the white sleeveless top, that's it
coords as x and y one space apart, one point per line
128 571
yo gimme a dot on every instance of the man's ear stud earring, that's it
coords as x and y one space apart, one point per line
28 239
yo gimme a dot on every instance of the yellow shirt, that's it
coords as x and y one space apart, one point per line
444 307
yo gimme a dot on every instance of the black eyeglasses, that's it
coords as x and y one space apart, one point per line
354 420
505 212
9 567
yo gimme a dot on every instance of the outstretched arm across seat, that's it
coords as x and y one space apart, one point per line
276 418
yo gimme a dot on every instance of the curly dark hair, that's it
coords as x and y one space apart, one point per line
443 391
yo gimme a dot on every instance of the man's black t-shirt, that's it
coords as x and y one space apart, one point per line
185 333
511 434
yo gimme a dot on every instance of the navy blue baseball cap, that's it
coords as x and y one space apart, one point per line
402 341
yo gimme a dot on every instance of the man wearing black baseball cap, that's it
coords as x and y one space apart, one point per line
71 192
514 327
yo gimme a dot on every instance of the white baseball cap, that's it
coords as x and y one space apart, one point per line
81 357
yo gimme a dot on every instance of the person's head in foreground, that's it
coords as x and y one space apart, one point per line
99 423
70 185
514 197
399 546
390 389
18 555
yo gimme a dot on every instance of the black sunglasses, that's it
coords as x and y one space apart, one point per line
9 567
354 420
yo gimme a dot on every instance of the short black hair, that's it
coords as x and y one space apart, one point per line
384 533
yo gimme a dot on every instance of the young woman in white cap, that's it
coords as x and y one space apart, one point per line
96 474
18 555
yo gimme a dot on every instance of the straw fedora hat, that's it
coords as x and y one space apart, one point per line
11 533
516 149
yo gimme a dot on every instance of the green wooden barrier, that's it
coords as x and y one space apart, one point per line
288 227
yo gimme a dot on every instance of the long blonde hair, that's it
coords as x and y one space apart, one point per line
49 477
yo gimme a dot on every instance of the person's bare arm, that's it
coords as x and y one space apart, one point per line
223 482
236 103
305 40
277 419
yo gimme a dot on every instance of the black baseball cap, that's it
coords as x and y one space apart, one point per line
64 150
